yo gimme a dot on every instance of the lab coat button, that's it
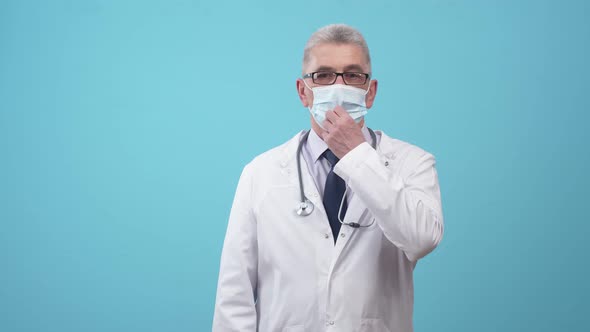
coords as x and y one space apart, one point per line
342 235
386 163
327 236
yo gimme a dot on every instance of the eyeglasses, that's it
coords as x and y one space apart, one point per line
329 77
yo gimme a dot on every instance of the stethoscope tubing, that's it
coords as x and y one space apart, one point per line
305 207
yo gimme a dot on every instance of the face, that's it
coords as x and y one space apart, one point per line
337 58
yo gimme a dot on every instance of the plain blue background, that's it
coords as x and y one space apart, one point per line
124 126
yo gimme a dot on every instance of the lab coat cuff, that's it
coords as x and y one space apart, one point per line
354 159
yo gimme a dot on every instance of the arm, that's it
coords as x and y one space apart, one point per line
406 204
235 304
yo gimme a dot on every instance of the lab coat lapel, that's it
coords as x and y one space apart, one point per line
289 169
310 188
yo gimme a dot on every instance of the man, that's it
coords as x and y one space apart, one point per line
330 244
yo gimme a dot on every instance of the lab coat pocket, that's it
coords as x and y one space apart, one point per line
373 325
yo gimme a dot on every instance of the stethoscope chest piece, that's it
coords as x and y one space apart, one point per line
304 208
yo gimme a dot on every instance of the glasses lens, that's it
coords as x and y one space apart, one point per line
354 78
324 77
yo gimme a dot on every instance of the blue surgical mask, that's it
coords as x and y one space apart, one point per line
327 97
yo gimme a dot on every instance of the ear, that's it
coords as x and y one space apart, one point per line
370 97
305 100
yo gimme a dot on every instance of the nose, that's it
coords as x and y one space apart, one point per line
339 80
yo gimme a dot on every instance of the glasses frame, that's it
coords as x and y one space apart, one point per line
311 75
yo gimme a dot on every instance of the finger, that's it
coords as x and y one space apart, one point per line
342 113
325 135
330 118
339 111
330 115
328 126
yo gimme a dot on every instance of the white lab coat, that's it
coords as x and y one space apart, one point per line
282 272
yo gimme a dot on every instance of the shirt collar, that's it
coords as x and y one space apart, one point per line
317 146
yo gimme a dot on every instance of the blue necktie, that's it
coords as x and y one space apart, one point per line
333 192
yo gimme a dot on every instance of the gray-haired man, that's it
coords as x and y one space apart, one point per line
326 229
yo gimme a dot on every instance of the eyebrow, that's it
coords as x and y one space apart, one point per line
325 68
355 67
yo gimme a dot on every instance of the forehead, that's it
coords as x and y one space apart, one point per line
338 57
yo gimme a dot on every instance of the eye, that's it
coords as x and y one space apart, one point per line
355 78
322 75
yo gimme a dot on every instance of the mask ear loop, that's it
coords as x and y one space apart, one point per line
308 107
303 79
368 88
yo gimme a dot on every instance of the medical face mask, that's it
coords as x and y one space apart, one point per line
326 97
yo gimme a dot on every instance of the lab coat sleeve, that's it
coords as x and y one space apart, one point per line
405 202
235 303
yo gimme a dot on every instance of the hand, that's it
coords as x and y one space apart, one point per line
341 133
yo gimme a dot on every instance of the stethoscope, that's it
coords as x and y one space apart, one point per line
305 206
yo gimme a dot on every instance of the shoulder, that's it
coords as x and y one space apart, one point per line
397 149
280 155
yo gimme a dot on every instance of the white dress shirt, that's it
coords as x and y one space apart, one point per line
319 167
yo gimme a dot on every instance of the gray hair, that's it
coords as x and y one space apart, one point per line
336 34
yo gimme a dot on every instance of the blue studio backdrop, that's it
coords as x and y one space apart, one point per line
124 126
